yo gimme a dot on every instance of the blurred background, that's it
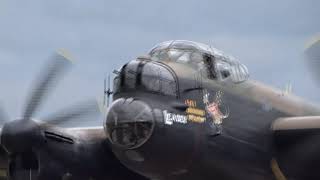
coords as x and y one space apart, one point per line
266 35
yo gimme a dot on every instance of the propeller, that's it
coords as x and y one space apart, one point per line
25 134
312 57
3 116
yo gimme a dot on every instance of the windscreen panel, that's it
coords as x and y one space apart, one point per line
158 79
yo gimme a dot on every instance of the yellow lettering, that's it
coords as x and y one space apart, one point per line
195 111
191 103
196 119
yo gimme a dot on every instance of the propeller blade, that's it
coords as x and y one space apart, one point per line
3 117
46 80
77 111
312 57
101 105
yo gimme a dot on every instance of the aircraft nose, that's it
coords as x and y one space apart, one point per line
129 123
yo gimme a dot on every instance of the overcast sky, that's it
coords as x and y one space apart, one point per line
266 35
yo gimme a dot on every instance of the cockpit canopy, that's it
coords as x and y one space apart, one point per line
201 57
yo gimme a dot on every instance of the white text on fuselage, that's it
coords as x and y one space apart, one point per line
170 118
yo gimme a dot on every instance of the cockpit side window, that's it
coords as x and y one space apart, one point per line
219 69
210 64
224 70
235 71
239 73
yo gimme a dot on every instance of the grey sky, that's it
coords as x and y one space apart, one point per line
266 35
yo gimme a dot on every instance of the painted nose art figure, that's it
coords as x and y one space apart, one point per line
214 109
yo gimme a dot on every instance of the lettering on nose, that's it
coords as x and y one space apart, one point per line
170 118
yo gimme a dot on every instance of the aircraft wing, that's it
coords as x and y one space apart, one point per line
296 123
297 145
81 153
3 163
89 153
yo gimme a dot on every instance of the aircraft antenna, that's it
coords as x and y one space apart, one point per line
107 92
104 91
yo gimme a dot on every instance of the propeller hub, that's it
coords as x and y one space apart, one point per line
20 135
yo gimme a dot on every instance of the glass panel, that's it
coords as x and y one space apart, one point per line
158 79
149 78
190 58
223 70
236 71
194 54
239 73
167 83
131 74
116 84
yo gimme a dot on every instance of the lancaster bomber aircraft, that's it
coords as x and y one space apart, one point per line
183 111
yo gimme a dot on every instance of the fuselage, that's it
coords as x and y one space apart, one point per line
197 127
